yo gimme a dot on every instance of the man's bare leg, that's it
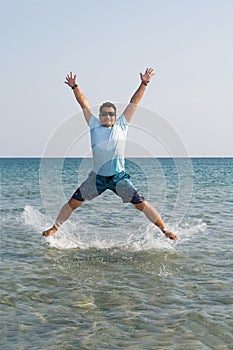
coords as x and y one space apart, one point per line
64 214
152 214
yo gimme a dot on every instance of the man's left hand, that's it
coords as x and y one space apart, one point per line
146 77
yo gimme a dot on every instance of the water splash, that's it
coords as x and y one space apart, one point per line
74 235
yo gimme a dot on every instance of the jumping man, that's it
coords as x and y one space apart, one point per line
108 136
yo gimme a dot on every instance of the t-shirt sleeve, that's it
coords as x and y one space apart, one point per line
122 122
93 122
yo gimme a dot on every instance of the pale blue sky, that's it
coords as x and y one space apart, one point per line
108 43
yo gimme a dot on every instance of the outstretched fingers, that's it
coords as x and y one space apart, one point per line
150 72
70 79
146 77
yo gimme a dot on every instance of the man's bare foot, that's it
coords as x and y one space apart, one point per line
51 231
170 234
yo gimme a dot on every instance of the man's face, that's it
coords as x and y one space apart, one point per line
107 116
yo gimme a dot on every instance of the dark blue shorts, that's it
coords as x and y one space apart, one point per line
119 183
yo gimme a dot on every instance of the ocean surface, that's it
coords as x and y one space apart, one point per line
109 279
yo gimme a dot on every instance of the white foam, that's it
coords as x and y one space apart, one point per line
32 217
190 228
149 239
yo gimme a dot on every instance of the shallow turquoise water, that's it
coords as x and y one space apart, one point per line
109 279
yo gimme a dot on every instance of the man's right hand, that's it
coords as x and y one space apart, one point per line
71 81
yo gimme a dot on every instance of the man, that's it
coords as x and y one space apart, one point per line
108 136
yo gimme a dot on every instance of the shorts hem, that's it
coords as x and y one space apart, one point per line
77 195
137 201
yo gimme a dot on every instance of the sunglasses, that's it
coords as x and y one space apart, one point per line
111 114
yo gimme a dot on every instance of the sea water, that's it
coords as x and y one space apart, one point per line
109 279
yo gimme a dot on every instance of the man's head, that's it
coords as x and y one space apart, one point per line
107 114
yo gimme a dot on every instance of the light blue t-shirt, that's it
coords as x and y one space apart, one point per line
108 146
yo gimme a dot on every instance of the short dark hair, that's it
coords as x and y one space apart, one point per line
107 104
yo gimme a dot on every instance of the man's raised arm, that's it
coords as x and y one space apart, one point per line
71 81
137 96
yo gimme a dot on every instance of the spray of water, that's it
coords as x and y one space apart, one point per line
73 235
